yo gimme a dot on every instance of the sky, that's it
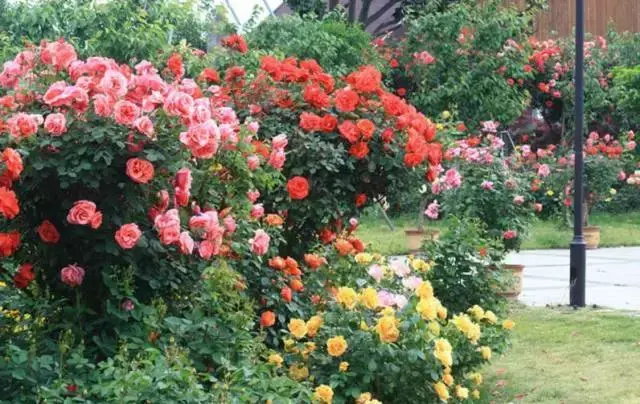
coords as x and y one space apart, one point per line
244 8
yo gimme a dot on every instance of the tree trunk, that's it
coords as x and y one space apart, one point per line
352 10
364 12
333 4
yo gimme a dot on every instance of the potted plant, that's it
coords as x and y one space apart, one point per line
417 236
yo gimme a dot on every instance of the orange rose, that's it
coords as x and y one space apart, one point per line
344 247
267 319
8 203
298 188
314 261
277 263
366 128
140 170
274 220
13 162
296 285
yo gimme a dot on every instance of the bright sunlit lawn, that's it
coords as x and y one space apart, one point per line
616 230
564 356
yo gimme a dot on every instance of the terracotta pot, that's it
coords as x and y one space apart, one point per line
516 288
415 238
592 237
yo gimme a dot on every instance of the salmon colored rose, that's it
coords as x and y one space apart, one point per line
128 235
72 275
13 162
314 261
298 188
140 170
267 319
82 213
48 232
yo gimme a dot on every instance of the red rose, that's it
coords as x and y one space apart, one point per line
24 276
349 131
174 63
412 159
267 319
357 244
140 170
326 236
366 128
9 243
387 135
8 203
329 123
310 122
359 150
48 232
346 100
298 187
361 199
315 96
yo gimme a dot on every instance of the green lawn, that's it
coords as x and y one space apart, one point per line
565 356
616 230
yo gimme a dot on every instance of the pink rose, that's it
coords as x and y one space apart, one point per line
400 268
182 196
257 211
207 222
260 242
82 212
23 125
487 185
96 220
510 234
202 139
126 112
279 142
183 178
254 127
102 105
537 207
114 84
168 226
253 162
178 104
510 184
518 199
128 235
253 195
433 210
631 145
622 176
376 272
277 159
61 54
229 224
56 124
411 282
206 249
72 275
201 110
186 243
452 179
144 126
544 170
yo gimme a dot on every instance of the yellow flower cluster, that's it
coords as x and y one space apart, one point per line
347 297
387 328
298 371
276 359
443 352
297 328
344 366
442 391
366 398
508 324
323 394
336 346
313 325
420 265
485 351
369 298
464 323
363 258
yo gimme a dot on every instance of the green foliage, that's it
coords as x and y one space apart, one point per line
466 269
123 30
302 7
469 43
338 46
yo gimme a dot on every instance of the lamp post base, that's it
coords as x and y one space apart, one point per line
578 272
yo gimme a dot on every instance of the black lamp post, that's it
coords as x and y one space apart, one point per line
578 249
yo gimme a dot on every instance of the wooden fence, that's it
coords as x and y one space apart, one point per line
559 19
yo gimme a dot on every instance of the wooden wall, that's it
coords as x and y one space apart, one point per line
559 19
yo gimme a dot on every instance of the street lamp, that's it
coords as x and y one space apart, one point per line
578 248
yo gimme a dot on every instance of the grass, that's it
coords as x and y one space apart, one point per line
616 230
564 356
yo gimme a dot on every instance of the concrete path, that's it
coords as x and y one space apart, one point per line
613 277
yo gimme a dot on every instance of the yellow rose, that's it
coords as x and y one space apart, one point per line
387 311
428 308
344 366
3 284
298 372
363 258
369 298
439 126
424 290
508 324
467 327
297 328
476 378
323 394
550 193
347 297
490 317
275 359
447 379
462 392
442 311
442 352
313 325
364 398
364 326
434 327
446 114
477 312
441 391
336 346
485 351
613 191
309 347
387 329
475 394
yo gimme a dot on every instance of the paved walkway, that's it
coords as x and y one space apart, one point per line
613 277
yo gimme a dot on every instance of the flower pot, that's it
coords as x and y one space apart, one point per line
416 237
514 291
592 237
